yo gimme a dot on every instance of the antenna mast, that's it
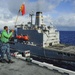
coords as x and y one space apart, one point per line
31 16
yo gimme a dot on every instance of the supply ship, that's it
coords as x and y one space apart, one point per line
43 41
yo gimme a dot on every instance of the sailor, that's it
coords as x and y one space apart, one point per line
5 48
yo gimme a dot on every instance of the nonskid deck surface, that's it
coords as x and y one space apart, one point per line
22 68
62 48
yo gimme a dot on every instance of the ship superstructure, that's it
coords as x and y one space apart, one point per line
43 42
43 35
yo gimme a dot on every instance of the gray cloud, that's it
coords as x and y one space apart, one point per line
38 5
9 10
65 20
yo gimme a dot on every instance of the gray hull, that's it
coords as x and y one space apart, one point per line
43 52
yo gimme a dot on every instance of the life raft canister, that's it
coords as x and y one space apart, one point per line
18 36
26 38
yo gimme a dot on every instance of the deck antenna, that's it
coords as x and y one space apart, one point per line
31 16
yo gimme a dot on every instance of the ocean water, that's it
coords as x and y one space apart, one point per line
67 37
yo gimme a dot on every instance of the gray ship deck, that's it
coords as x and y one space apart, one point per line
22 68
62 48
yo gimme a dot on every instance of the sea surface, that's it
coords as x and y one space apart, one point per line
67 37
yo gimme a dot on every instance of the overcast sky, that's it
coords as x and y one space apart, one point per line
60 12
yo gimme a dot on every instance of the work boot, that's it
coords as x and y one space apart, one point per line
10 61
3 61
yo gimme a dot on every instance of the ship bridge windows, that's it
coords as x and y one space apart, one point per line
50 44
59 53
72 55
66 54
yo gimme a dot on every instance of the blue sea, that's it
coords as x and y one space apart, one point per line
67 37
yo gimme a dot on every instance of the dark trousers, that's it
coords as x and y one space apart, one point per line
5 49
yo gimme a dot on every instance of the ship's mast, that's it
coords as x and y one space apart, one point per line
31 16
